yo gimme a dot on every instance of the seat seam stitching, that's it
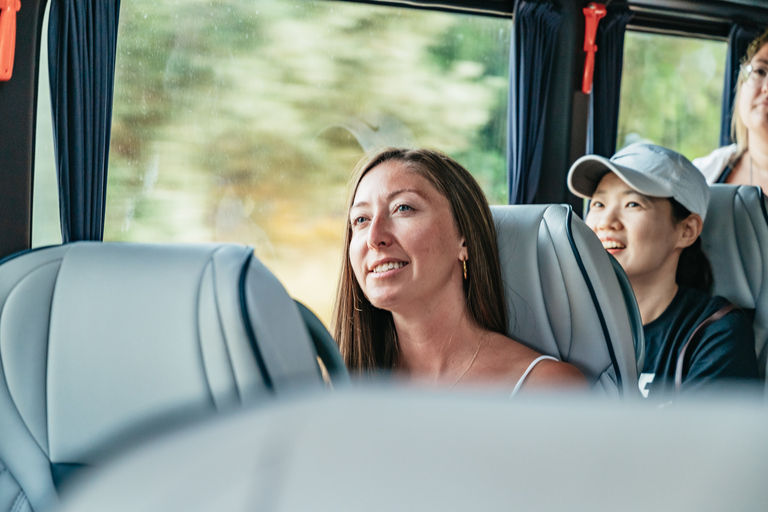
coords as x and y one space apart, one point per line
20 500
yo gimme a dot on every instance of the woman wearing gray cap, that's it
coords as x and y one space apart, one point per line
647 206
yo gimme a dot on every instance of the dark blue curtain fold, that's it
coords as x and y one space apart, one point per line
82 41
604 100
531 55
738 42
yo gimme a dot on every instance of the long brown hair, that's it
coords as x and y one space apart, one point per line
366 335
738 129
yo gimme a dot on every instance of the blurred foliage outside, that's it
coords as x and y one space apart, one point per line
241 121
671 92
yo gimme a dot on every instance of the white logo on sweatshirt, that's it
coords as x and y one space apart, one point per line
643 381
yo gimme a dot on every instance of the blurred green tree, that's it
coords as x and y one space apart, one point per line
671 92
242 120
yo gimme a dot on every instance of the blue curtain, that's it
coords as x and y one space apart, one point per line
531 55
82 40
604 100
738 42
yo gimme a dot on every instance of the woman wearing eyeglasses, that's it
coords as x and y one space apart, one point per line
746 161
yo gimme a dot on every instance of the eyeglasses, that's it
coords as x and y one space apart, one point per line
755 75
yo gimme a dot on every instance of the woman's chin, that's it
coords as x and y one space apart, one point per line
385 302
394 303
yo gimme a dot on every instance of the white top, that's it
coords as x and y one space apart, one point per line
713 165
527 371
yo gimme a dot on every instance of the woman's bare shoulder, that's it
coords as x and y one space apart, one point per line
513 358
550 375
504 345
556 374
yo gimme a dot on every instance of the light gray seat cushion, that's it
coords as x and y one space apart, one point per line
564 296
99 340
735 239
378 451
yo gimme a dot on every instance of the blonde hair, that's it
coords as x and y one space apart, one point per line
738 129
366 335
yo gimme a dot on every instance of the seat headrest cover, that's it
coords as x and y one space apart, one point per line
337 452
563 297
735 240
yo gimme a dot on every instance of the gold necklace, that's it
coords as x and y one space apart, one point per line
477 350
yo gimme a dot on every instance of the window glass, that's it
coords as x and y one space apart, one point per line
671 92
242 121
46 229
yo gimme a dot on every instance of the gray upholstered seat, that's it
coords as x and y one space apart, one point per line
567 297
735 238
387 451
98 341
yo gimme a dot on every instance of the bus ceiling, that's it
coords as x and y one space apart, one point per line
688 13
711 20
503 8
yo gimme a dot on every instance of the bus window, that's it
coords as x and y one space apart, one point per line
241 121
46 229
671 92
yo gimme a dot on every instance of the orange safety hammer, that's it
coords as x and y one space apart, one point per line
8 10
593 14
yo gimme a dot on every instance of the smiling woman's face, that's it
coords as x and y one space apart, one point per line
636 229
405 248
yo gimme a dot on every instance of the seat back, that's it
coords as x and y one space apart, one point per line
449 453
567 298
735 239
99 341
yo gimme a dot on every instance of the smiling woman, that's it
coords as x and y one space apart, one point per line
420 290
647 206
393 203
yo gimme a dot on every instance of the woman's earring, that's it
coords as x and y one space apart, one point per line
465 269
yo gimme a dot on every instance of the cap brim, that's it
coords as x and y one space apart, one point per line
586 172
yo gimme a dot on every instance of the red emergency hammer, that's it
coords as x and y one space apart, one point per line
593 13
8 10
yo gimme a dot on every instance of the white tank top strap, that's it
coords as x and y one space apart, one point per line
528 370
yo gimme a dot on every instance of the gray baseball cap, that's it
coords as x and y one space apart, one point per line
651 170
